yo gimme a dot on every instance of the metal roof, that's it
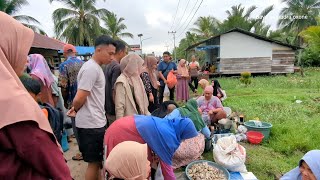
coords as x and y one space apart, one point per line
45 42
247 33
83 50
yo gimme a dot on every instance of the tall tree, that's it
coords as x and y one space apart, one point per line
238 17
206 26
115 26
298 15
12 7
78 23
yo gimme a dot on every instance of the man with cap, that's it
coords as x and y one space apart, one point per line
69 70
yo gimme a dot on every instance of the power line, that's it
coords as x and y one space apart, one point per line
174 18
191 19
183 13
188 16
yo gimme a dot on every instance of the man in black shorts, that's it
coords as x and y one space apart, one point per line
89 106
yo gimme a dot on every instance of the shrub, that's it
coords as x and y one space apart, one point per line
245 78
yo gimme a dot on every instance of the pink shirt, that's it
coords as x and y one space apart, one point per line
212 104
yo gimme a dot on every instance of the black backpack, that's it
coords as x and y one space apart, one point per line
55 119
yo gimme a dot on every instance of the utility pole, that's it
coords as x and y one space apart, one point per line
174 44
140 35
167 46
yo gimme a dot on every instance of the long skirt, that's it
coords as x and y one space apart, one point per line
182 89
188 151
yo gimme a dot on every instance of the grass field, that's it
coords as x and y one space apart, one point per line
296 127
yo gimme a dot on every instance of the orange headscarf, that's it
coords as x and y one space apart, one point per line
149 62
131 68
183 70
129 160
16 105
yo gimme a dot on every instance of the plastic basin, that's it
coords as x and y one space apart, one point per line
255 137
264 129
210 163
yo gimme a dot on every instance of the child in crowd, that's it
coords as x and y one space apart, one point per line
54 116
34 89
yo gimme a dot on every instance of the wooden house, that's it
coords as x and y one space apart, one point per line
48 48
238 50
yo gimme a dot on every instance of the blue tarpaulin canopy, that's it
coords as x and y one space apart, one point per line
83 50
201 48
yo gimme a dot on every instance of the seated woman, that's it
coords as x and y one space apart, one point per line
128 160
163 137
184 155
217 90
130 95
308 169
165 108
211 107
203 83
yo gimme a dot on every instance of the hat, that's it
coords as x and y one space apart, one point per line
69 47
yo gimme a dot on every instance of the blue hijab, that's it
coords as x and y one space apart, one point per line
312 158
163 136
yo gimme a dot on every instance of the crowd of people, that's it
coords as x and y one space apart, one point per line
115 105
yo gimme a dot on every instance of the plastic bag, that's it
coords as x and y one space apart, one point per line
171 80
166 91
158 175
229 154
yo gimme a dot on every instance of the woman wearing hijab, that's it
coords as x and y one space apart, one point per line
163 136
39 156
217 90
149 78
41 72
183 81
308 169
165 108
129 161
211 107
203 83
130 95
184 155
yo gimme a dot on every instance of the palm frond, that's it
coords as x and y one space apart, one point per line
25 18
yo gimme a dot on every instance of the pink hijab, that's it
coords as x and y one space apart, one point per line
129 160
183 70
131 68
39 67
16 105
149 62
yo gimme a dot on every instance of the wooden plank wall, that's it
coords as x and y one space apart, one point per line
239 65
282 61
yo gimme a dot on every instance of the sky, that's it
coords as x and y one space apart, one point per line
155 18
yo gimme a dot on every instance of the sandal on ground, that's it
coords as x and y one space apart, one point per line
77 157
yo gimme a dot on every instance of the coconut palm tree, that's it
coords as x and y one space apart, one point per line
115 26
298 15
239 18
206 26
12 7
78 23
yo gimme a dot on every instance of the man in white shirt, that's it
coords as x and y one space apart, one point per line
89 104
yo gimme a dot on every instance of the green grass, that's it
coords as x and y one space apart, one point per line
296 127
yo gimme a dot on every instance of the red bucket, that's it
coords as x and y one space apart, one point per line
255 137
